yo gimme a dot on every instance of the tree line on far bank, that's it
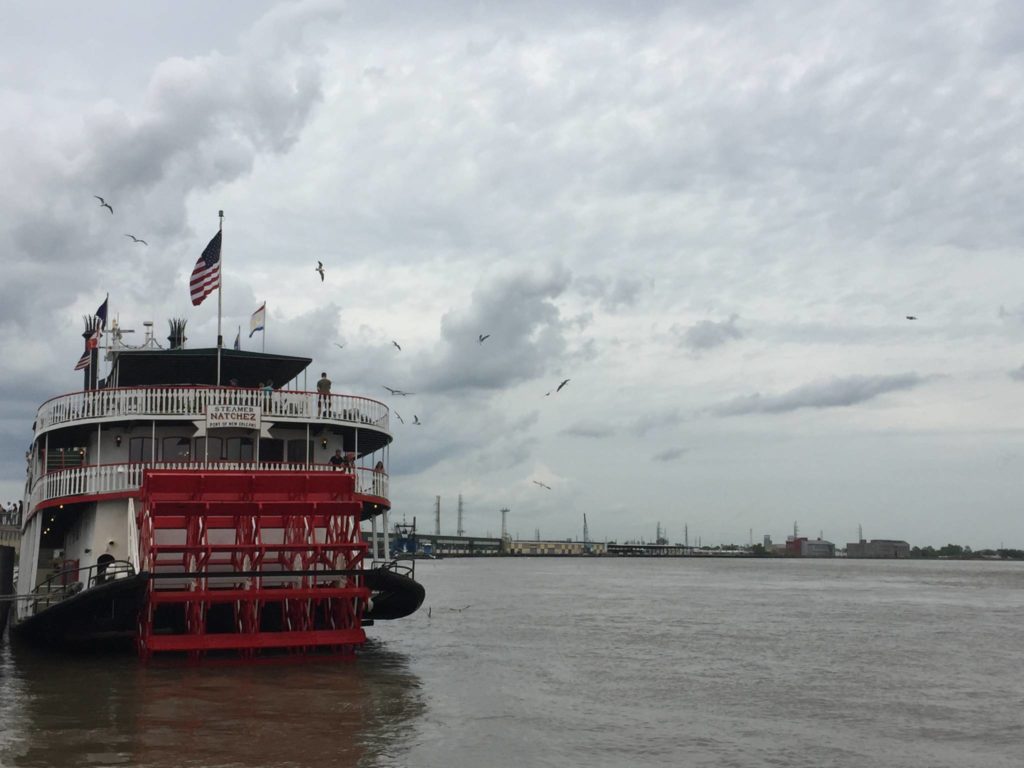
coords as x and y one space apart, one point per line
958 552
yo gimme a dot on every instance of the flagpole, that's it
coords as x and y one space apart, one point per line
264 327
220 284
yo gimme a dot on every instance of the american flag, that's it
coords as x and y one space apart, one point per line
206 274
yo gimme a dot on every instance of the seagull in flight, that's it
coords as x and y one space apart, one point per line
320 268
911 317
339 346
137 239
104 204
538 482
559 389
416 420
397 345
483 337
398 416
397 392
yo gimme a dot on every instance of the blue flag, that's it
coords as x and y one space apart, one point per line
101 313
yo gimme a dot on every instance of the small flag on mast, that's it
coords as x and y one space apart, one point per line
206 273
90 344
238 339
258 319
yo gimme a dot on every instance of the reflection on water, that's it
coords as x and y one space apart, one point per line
114 711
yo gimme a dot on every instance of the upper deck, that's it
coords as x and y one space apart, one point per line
190 403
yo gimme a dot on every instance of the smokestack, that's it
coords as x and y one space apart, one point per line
92 323
177 338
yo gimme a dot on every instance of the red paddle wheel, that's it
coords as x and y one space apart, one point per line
247 563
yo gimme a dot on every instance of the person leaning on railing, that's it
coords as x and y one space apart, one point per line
337 460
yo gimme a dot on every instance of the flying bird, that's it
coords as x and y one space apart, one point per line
397 392
320 268
911 317
416 420
484 337
559 388
398 416
137 239
538 482
339 346
397 345
104 204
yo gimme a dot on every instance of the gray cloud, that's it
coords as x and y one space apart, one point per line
833 393
527 334
592 429
655 420
611 294
708 334
203 123
670 454
1017 373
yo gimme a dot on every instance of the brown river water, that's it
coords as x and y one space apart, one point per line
583 662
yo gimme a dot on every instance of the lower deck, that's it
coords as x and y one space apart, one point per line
208 562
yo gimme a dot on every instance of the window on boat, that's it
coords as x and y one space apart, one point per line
58 458
238 449
298 450
140 449
177 448
212 452
271 449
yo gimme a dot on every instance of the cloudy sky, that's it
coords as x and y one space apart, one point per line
713 217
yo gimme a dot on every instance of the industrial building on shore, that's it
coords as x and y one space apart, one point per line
881 549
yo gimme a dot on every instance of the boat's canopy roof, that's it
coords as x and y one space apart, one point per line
166 367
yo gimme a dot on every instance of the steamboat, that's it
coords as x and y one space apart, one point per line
170 515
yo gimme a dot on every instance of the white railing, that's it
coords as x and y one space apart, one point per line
191 402
119 478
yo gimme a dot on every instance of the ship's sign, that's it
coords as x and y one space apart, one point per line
232 417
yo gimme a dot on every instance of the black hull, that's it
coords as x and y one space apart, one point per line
394 595
6 584
103 618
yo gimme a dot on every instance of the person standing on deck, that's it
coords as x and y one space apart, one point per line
323 391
